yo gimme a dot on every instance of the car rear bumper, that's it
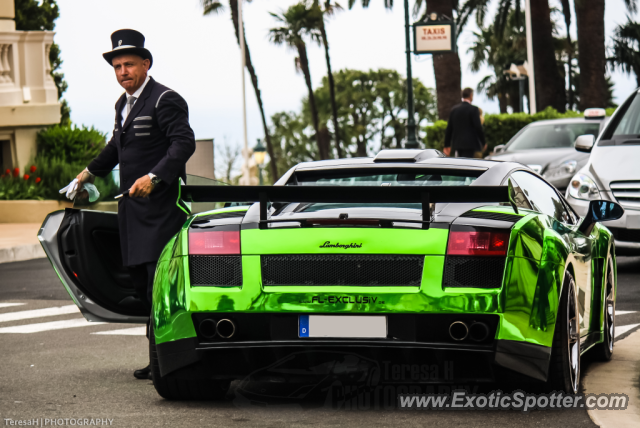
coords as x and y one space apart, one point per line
272 342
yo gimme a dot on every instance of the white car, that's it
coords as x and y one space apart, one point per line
613 173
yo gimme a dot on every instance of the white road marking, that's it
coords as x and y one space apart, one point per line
8 305
46 326
625 312
135 331
39 313
624 328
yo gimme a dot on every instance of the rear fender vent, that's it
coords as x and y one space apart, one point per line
511 218
219 216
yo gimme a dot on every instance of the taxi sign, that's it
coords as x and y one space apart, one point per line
595 113
434 37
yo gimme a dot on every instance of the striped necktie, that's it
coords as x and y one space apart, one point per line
130 102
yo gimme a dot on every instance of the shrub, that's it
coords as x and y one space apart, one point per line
70 144
46 177
499 128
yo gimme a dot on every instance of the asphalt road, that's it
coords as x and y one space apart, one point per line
69 371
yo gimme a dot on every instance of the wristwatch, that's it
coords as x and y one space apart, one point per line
154 179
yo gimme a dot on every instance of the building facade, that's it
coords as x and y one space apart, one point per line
28 94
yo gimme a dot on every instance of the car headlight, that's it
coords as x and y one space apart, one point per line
536 168
583 187
569 166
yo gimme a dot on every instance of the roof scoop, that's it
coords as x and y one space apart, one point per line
407 155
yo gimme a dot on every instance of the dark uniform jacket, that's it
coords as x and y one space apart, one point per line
464 130
156 138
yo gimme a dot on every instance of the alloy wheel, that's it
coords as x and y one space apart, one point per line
573 338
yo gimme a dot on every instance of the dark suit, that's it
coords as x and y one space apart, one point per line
156 138
464 130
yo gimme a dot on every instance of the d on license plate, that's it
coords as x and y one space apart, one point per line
354 326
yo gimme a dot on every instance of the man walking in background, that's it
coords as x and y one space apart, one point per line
152 141
464 136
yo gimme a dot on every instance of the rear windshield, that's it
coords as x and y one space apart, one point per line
552 136
385 177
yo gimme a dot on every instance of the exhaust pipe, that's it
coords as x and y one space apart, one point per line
226 328
208 328
478 331
458 330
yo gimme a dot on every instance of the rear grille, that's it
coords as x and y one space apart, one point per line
216 270
478 272
356 270
511 218
625 235
627 193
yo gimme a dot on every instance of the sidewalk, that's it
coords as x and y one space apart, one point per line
620 375
19 241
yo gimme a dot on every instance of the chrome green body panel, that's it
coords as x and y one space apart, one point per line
540 250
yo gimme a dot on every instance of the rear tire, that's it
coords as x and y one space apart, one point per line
564 368
603 351
173 387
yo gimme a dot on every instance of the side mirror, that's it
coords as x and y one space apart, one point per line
584 143
600 211
498 149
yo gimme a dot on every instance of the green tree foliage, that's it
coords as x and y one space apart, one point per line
299 22
625 52
70 143
34 15
498 48
372 115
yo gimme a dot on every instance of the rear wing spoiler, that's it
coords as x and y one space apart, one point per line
350 194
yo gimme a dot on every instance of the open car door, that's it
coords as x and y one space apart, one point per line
83 245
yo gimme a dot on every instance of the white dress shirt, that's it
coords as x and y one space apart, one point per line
136 94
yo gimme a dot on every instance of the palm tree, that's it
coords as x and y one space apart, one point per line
626 49
566 11
298 21
212 7
592 58
330 9
497 51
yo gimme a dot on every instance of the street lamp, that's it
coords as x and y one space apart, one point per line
259 152
412 142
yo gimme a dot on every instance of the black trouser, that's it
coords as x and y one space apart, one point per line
465 153
142 276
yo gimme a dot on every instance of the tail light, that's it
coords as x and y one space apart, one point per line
214 242
474 243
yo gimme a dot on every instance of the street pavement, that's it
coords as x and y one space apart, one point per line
54 364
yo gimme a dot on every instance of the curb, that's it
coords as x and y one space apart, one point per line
20 253
620 375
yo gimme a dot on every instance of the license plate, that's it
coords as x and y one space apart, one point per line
347 326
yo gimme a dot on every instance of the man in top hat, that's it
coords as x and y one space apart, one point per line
152 141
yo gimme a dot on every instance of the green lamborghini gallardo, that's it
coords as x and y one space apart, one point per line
479 266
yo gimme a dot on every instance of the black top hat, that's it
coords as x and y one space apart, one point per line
128 42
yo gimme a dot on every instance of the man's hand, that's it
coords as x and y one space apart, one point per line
84 177
447 151
484 149
141 188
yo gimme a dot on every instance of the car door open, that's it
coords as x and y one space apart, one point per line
83 245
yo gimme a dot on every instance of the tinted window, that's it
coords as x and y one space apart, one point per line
552 136
385 177
542 196
630 122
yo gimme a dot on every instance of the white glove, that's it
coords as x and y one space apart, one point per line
71 189
92 190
